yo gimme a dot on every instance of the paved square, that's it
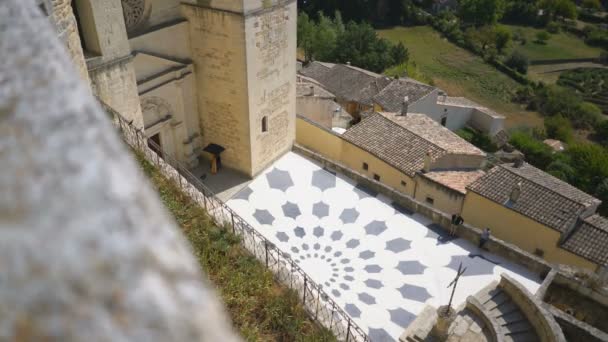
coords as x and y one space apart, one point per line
380 262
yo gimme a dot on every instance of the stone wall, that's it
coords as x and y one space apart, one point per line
87 251
466 231
67 29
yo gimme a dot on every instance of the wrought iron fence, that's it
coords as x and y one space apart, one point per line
316 302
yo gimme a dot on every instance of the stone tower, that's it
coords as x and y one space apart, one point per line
244 53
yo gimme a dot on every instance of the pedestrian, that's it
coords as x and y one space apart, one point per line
485 236
457 220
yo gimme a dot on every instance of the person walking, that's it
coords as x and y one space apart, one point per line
457 220
485 236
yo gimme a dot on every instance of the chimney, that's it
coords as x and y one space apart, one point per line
427 162
515 192
312 90
404 105
519 162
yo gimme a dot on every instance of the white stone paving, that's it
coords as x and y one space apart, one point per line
380 263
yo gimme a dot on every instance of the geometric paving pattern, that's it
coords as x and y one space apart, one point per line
379 261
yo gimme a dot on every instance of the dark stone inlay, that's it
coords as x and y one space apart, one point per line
379 335
304 246
316 246
320 209
348 269
291 210
373 283
323 180
373 269
299 232
318 231
349 215
345 261
282 237
336 293
279 179
349 278
328 248
365 255
410 267
337 254
352 310
367 298
244 194
363 192
337 235
398 245
375 227
344 287
414 292
352 243
402 317
295 249
263 216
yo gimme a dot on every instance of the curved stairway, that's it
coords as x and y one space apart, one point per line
501 308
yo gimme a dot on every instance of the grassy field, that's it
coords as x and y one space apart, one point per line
562 45
260 308
549 73
461 73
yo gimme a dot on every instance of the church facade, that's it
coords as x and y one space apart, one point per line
192 73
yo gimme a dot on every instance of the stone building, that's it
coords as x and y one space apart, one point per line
192 73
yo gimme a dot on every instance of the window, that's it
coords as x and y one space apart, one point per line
403 183
265 124
539 252
365 166
376 177
430 200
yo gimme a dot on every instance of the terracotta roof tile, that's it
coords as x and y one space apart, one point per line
590 240
456 180
391 97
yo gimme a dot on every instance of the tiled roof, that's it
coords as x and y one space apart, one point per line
390 142
303 89
543 198
456 180
434 132
590 240
346 81
401 145
391 97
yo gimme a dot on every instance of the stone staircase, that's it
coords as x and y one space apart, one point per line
512 322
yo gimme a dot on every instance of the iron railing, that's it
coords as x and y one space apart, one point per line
320 306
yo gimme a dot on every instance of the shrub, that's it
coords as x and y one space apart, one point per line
553 27
479 139
542 37
559 127
588 115
518 61
537 153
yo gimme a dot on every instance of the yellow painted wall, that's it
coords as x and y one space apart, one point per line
339 150
517 229
446 200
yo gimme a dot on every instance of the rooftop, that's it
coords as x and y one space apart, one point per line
391 97
464 102
590 240
456 180
543 198
403 142
304 89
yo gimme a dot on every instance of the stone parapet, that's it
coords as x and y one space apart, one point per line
480 311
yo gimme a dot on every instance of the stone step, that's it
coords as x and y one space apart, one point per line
514 316
504 309
518 327
522 337
497 300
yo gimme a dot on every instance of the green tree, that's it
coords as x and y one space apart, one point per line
593 5
536 152
587 116
360 45
518 61
305 34
559 8
325 36
601 132
590 162
481 12
559 127
542 37
562 170
502 37
399 53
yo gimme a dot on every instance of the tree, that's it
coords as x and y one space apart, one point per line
502 37
590 162
518 61
305 34
399 53
559 8
542 37
592 5
559 127
601 132
481 12
537 153
587 116
562 170
360 45
325 35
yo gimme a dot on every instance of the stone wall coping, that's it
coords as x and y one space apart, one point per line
541 319
466 231
584 331
542 290
480 311
579 287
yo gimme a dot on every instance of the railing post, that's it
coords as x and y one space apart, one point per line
317 309
304 296
348 331
266 251
233 228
